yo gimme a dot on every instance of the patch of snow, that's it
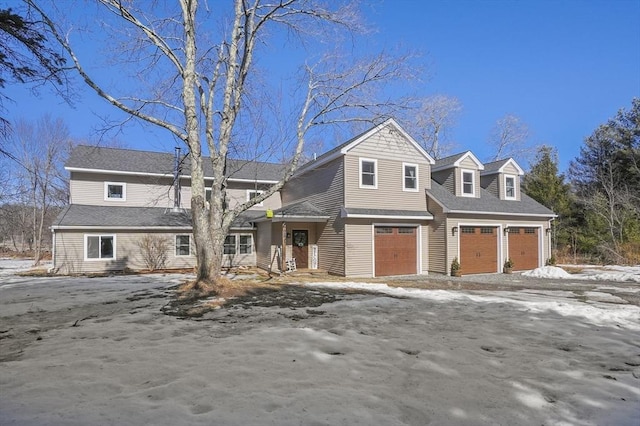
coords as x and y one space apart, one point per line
553 272
604 297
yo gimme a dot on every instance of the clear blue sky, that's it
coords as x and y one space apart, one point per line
563 67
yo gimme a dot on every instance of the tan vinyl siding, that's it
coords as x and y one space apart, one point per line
239 195
263 245
141 191
359 248
389 193
490 183
69 252
323 187
437 231
445 178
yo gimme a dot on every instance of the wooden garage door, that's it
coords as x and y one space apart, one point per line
523 248
395 250
478 249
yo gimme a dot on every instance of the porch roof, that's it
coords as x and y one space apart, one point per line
303 211
79 216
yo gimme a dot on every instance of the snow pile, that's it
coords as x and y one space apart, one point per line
606 273
13 266
548 272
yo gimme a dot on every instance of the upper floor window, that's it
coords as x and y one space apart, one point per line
97 247
115 191
251 194
183 245
468 183
510 187
410 181
368 176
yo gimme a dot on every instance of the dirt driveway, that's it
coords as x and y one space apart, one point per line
518 351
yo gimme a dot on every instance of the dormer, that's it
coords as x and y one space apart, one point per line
502 179
460 174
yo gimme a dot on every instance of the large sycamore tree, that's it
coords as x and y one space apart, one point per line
198 80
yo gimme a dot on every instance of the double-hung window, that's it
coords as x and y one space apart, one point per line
115 191
368 176
410 178
245 245
98 247
183 245
510 187
468 183
230 244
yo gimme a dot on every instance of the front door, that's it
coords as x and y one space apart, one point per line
300 243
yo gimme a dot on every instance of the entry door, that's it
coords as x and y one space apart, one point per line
300 242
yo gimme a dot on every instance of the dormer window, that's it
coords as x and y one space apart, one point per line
510 187
115 191
368 178
468 183
410 181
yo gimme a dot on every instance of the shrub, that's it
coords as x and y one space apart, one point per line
154 250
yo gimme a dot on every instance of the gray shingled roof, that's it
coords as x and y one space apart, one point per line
303 209
79 215
487 203
391 213
448 161
494 166
128 160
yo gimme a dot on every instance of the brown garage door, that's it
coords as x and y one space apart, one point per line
523 248
478 249
395 250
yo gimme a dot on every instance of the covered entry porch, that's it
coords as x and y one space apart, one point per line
288 238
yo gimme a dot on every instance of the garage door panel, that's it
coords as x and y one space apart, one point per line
524 248
478 249
395 251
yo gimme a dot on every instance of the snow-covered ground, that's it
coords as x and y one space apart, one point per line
102 352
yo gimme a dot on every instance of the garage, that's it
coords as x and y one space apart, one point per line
396 250
478 249
523 248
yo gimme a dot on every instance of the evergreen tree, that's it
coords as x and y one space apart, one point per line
544 184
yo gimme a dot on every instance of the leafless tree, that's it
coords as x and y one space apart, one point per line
509 138
208 53
431 122
37 151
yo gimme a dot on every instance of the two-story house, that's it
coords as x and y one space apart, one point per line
376 205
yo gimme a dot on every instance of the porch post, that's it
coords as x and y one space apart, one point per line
284 247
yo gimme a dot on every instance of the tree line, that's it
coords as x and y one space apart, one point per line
598 200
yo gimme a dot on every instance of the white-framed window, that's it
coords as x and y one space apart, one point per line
253 193
468 183
368 173
183 245
115 191
410 177
245 244
230 244
99 247
510 187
